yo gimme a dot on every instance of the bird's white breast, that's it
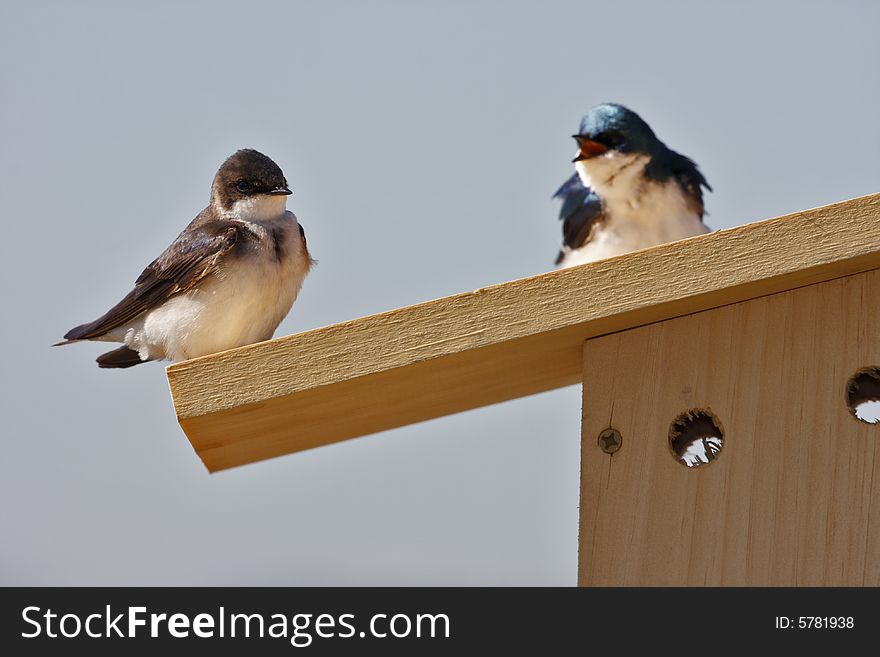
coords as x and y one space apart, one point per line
638 212
242 303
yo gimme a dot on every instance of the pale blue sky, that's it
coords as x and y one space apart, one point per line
422 141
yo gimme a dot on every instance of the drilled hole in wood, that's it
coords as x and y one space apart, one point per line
863 395
696 437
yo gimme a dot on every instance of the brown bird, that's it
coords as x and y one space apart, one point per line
227 280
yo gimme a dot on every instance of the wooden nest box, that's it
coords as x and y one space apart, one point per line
749 352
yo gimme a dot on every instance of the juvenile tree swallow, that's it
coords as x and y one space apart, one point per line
629 190
227 280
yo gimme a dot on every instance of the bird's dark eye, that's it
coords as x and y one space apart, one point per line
612 139
243 186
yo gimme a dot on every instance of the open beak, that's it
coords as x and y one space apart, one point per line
280 191
588 148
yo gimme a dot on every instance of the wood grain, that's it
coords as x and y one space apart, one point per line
793 499
496 343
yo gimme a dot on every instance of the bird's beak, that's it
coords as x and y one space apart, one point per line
280 191
588 148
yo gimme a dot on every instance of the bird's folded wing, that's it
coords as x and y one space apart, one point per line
581 210
191 257
690 178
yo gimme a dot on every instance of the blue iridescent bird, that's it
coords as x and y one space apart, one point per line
629 191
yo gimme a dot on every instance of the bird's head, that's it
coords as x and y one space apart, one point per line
249 185
611 129
613 139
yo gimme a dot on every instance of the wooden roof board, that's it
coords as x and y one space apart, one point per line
495 343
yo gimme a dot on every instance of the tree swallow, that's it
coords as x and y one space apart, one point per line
227 280
629 190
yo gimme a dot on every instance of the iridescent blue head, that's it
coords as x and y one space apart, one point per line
611 127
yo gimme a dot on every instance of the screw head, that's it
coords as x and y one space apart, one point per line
610 440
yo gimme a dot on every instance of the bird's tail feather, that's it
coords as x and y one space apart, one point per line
118 358
81 332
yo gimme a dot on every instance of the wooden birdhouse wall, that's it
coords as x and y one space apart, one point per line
793 496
